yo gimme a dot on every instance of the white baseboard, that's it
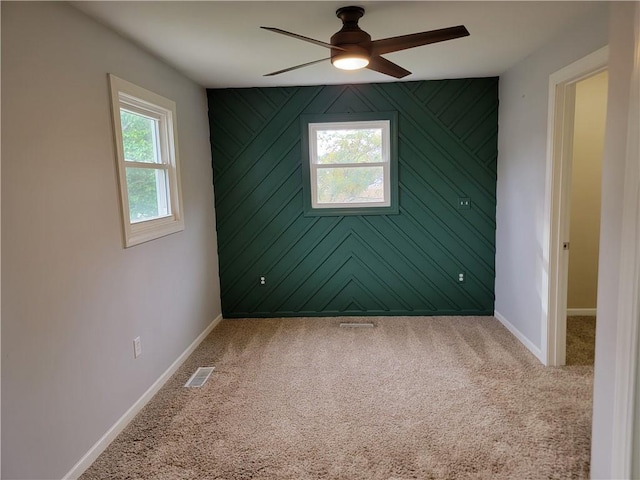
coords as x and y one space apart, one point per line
99 447
520 336
582 312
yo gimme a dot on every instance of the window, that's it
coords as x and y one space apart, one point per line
350 164
146 146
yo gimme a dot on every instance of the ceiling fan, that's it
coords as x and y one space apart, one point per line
352 47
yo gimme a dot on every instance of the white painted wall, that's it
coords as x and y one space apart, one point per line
520 196
73 297
0 283
522 148
621 53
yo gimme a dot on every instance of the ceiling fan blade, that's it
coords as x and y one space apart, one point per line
296 67
383 65
300 37
394 44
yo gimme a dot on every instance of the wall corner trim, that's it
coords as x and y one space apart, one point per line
99 447
520 336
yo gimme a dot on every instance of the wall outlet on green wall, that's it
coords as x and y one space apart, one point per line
464 203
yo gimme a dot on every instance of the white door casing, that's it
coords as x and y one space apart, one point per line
557 201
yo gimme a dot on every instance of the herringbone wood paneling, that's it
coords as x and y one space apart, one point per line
405 264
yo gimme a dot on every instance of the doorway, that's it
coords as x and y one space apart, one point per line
585 198
557 222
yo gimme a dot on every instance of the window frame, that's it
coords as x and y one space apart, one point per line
140 101
310 124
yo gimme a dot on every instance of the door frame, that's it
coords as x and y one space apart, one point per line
557 201
626 395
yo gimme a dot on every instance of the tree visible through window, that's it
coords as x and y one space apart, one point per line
146 187
344 184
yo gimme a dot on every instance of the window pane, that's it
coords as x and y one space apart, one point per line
147 192
350 185
349 146
139 137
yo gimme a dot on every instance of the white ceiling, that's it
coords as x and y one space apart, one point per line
220 44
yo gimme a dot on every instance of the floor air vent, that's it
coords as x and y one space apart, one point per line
200 376
357 325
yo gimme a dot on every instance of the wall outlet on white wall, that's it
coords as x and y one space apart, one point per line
137 347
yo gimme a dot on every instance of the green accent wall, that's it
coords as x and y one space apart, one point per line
403 264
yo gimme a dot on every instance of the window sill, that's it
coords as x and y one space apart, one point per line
142 232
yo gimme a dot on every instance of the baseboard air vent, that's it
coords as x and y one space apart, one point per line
357 325
200 376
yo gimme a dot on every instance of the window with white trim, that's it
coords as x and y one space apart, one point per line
145 130
351 165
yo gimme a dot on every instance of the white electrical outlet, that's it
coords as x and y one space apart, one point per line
263 280
137 347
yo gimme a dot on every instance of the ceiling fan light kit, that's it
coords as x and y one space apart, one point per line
349 62
352 48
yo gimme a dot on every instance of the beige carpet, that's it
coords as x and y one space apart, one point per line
412 398
581 340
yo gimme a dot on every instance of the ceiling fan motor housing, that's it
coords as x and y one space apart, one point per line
354 41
